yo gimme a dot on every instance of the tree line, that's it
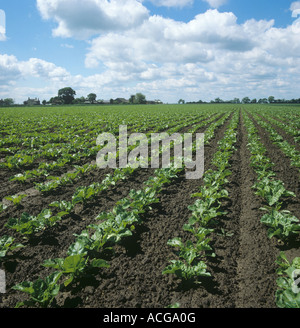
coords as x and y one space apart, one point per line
245 100
66 96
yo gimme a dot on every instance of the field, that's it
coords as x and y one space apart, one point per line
74 235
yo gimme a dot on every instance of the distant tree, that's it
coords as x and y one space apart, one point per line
80 100
132 99
92 97
246 100
236 101
253 101
140 98
6 102
218 100
271 99
44 102
56 101
67 95
263 101
111 101
181 101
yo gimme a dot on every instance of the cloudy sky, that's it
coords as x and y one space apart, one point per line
166 49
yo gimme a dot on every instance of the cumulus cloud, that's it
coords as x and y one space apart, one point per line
9 69
82 19
295 8
210 55
12 70
161 40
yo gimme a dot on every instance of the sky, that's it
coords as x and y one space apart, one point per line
166 49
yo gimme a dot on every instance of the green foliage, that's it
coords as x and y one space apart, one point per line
281 224
16 199
185 271
7 245
272 190
2 207
73 266
288 294
41 291
28 224
67 95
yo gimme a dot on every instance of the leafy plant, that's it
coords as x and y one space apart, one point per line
65 207
139 200
288 294
20 177
282 224
6 245
203 212
272 190
185 271
83 194
74 266
29 224
41 291
2 207
16 199
190 265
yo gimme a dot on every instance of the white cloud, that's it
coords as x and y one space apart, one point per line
9 70
212 55
13 71
161 40
211 51
2 26
82 19
295 8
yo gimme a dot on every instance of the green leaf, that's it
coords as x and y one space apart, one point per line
98 263
74 263
175 242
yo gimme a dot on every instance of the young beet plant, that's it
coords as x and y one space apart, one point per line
74 266
28 224
2 207
7 245
42 292
189 266
281 223
16 199
288 294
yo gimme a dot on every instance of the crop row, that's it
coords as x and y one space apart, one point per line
289 150
191 255
281 223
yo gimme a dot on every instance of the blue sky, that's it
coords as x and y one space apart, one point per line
166 49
